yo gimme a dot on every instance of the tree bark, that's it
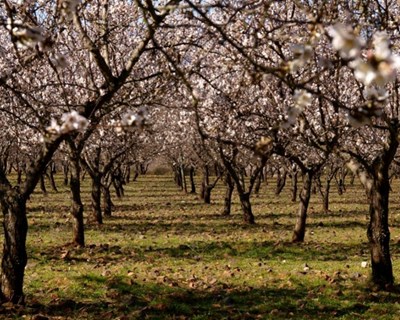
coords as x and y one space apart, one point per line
378 230
205 182
43 185
78 228
177 176
14 259
300 227
107 203
257 186
96 216
207 194
192 184
294 186
51 178
246 207
325 196
280 182
228 195
118 185
184 184
65 173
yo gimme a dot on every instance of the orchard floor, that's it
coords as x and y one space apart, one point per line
165 255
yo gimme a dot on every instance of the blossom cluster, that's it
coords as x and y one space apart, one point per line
131 120
71 121
26 36
374 69
302 99
68 7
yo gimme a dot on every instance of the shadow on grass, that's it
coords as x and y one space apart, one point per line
261 251
127 299
206 251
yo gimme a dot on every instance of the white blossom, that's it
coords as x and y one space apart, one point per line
380 66
70 122
73 121
28 36
132 119
373 93
345 41
302 54
302 99
54 127
381 46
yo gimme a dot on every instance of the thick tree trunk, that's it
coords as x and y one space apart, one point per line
107 203
78 228
207 194
300 227
96 216
246 208
19 175
14 259
228 195
378 230
205 182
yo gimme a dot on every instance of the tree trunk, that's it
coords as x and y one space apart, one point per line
280 182
340 186
205 182
257 187
184 184
52 181
43 185
352 177
107 203
192 184
65 174
325 196
96 216
78 228
378 230
228 195
207 194
19 175
246 208
118 187
300 227
136 175
14 259
127 174
294 186
177 177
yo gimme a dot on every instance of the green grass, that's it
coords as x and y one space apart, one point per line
166 255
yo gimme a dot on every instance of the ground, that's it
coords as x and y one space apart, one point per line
165 255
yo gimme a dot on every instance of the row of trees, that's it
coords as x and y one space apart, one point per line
225 84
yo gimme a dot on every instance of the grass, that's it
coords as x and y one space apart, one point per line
165 255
